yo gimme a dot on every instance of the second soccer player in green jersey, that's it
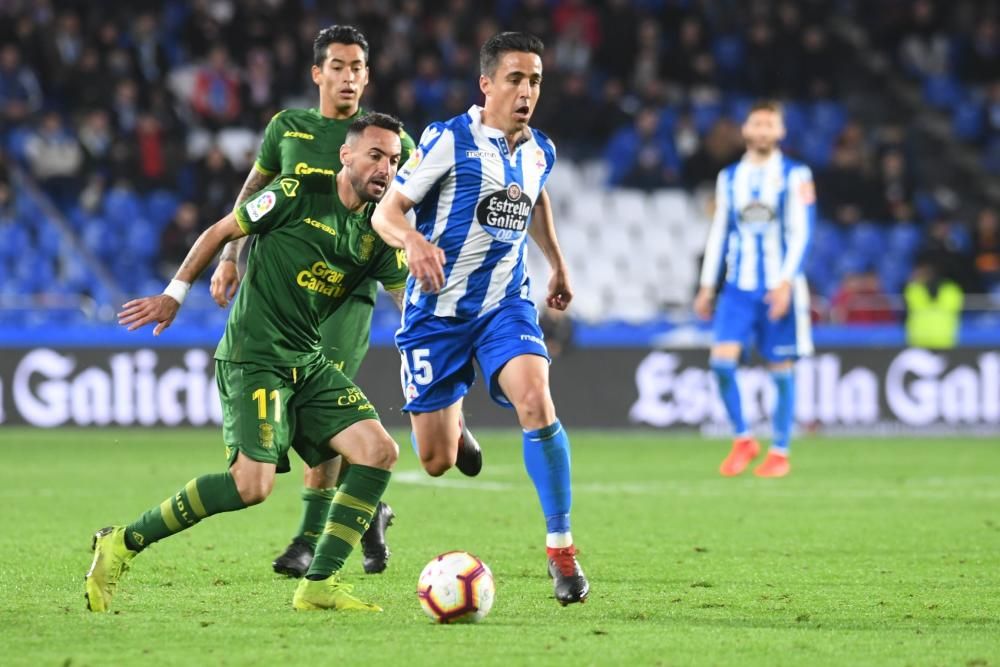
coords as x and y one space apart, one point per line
305 142
313 245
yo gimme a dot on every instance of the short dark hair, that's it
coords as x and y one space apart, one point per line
374 119
504 42
767 105
337 34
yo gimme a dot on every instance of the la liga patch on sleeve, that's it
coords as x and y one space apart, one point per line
258 208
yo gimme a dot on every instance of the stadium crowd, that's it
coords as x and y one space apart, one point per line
140 124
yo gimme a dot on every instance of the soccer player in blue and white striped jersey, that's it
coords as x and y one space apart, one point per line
765 208
474 182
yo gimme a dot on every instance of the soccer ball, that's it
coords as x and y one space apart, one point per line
456 587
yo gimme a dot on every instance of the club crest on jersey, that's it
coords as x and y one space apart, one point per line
504 214
258 207
367 245
757 212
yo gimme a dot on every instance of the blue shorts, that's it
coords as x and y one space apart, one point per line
741 317
437 352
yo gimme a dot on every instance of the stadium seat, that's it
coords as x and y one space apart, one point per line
705 115
943 91
160 207
827 117
121 206
142 238
967 121
15 240
904 239
868 242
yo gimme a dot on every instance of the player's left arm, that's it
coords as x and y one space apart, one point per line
800 216
162 308
543 232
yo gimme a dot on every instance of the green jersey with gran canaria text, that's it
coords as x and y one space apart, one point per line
309 254
303 142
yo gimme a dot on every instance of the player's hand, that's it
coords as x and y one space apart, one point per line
161 309
703 303
225 280
426 262
560 293
780 298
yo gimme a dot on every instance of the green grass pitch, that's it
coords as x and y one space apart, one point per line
881 552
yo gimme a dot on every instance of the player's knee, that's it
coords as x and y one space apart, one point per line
436 463
380 451
534 405
254 490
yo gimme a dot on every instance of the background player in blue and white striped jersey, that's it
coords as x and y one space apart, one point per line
473 182
765 208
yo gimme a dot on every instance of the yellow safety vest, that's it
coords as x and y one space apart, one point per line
932 322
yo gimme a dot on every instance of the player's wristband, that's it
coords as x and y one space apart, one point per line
177 290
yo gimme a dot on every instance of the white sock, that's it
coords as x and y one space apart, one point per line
558 540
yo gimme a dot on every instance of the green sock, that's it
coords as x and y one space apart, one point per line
201 497
315 509
351 512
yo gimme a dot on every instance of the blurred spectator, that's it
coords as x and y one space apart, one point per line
178 237
925 48
981 63
557 327
20 93
860 300
90 86
849 194
986 248
63 49
722 146
258 87
96 137
946 248
641 156
217 184
933 308
895 184
55 158
125 106
618 20
147 51
216 96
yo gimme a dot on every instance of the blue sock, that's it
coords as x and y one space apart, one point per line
546 457
725 375
784 411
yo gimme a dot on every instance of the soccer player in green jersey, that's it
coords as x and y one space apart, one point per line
307 141
313 245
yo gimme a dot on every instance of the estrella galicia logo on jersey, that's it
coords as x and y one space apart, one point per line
504 214
757 212
258 207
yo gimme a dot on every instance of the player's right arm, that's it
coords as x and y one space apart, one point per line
162 308
226 277
432 160
714 249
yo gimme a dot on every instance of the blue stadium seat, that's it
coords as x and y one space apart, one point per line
16 141
99 238
967 120
704 116
828 117
893 272
121 206
926 205
142 238
943 91
15 240
869 242
816 149
728 52
161 206
904 240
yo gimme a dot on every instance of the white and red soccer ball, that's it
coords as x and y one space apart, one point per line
456 587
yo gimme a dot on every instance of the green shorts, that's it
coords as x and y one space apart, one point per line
345 335
267 410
